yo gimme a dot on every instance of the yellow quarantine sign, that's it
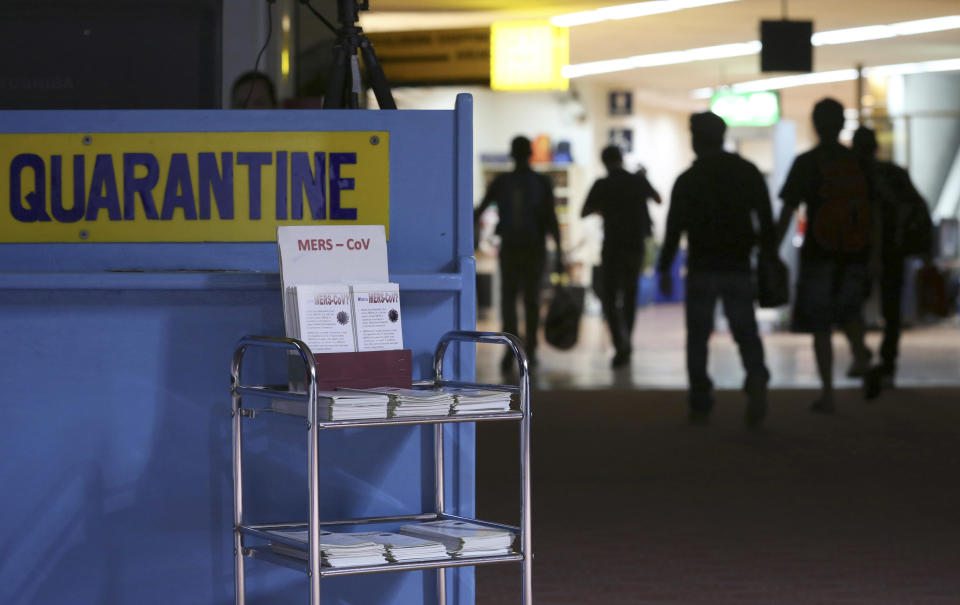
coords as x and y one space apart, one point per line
189 186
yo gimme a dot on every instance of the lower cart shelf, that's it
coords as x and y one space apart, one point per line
294 554
268 554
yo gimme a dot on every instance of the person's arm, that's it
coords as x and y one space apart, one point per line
792 196
649 191
592 205
761 205
671 241
552 225
488 198
906 191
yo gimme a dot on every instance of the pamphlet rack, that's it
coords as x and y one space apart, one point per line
310 562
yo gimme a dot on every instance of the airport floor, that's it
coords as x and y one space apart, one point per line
930 356
631 505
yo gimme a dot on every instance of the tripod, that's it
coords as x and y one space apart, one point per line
344 86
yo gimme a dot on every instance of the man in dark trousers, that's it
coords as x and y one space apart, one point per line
905 229
621 199
716 202
832 282
524 200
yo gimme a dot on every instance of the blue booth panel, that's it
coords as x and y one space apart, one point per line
115 455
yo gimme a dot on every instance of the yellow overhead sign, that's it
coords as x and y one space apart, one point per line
189 186
528 55
441 56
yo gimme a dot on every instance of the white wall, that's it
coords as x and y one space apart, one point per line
932 145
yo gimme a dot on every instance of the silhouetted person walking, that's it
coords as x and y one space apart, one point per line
905 229
832 282
716 203
621 199
524 201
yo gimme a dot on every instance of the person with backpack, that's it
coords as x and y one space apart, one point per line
620 199
716 202
524 200
905 229
833 278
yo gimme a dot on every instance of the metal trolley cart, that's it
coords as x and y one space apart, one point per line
310 562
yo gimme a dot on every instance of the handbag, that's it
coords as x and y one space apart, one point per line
562 325
773 281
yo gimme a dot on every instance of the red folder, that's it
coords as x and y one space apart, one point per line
364 370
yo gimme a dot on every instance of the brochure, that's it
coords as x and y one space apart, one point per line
378 325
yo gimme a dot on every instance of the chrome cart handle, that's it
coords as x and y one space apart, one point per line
272 342
503 338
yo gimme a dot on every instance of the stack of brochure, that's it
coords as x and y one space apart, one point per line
401 549
337 550
346 405
321 315
478 401
338 405
463 539
344 318
414 402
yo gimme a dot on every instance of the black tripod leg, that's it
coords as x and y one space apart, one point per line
333 99
377 79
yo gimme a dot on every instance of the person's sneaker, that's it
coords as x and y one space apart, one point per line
823 406
698 418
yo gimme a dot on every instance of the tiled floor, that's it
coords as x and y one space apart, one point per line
930 356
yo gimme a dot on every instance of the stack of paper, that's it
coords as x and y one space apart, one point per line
347 405
337 550
411 402
402 548
338 405
463 539
478 401
321 315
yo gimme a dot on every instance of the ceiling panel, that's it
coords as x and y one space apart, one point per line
707 26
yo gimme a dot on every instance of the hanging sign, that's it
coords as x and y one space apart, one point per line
189 186
437 57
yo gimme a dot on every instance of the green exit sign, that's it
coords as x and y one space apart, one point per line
747 108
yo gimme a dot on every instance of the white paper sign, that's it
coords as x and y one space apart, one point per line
324 254
329 254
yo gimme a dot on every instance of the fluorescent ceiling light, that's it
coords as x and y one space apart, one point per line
629 11
668 58
879 32
902 69
839 36
839 75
